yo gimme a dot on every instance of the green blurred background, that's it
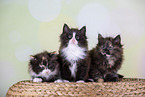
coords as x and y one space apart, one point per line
32 26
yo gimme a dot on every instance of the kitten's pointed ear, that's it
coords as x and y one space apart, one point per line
66 28
83 29
54 55
117 39
32 57
100 38
54 52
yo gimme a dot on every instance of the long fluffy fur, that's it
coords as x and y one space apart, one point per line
74 58
105 65
44 66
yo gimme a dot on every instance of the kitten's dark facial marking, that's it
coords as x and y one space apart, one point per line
42 61
106 57
80 36
109 46
106 48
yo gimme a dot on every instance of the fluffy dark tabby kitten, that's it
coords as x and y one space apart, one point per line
74 54
43 67
106 59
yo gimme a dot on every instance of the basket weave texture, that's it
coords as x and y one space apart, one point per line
124 87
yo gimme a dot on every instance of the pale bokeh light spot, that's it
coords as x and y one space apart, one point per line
44 10
7 69
68 1
49 33
97 20
131 25
7 75
23 53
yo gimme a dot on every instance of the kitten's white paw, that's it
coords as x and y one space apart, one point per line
91 80
37 80
66 81
80 81
58 81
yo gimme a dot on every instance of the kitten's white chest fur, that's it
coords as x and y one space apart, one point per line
46 73
110 60
73 53
73 69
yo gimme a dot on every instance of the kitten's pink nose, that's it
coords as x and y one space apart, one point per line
73 40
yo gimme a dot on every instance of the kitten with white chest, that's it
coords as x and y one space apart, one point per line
43 67
106 59
74 54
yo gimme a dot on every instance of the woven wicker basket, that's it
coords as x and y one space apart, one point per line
124 87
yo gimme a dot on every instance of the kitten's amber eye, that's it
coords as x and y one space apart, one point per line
69 36
51 66
77 37
110 48
42 66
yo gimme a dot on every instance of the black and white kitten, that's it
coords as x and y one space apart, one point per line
74 56
106 59
44 67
